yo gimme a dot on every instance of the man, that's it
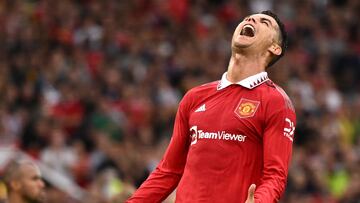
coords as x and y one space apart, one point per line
24 183
234 135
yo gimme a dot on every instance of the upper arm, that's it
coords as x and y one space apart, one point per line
176 153
163 180
278 136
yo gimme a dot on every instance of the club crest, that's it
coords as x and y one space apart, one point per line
246 108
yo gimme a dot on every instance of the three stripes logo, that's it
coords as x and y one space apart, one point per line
201 108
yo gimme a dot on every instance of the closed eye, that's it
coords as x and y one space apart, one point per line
266 21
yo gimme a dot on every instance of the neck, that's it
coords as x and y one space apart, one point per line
243 66
15 198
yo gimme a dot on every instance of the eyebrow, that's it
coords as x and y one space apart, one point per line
36 177
267 20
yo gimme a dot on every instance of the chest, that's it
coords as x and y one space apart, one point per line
226 131
232 116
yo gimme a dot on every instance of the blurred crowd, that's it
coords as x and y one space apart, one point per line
91 87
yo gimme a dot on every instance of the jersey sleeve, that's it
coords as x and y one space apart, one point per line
280 121
164 179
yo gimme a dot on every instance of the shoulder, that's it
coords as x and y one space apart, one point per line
193 96
211 86
275 95
204 89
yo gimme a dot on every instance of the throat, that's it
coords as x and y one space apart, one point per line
241 67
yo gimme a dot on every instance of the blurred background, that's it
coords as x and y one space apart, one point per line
89 89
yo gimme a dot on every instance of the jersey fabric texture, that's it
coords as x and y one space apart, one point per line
226 137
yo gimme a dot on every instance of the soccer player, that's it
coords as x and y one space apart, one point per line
232 138
24 183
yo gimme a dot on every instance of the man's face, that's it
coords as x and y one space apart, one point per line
258 32
31 184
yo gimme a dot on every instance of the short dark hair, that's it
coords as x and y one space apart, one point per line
283 36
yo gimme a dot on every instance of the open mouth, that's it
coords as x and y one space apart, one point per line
248 30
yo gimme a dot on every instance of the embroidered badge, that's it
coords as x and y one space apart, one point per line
246 108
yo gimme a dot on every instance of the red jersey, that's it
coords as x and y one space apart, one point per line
226 137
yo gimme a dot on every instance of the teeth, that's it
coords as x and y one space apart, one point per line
251 27
247 27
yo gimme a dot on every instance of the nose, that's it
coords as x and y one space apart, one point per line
41 183
250 19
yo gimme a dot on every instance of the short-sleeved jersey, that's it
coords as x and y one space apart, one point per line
226 137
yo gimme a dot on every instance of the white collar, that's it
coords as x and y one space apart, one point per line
249 82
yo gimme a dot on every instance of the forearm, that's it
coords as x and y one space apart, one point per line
270 190
156 188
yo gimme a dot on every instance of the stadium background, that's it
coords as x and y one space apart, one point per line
90 88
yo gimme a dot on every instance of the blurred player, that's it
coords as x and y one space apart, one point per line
232 138
24 182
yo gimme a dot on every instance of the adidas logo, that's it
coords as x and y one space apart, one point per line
201 108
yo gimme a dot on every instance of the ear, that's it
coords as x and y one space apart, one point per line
15 185
275 49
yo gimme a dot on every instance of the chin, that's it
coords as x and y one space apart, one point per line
239 47
39 198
